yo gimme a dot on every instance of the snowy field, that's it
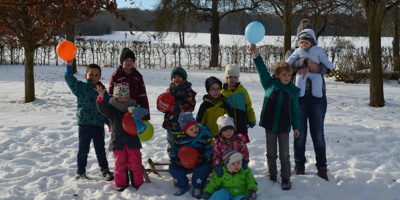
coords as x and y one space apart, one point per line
40 142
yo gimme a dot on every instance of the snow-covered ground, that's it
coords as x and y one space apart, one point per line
40 142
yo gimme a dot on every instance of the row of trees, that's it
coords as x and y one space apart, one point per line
35 23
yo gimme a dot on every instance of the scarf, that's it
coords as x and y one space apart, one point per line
123 107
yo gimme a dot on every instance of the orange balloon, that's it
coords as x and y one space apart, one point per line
66 50
188 156
129 124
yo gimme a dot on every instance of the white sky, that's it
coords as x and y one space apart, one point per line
142 4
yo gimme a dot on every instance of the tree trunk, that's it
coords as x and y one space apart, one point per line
396 43
375 18
29 74
214 35
71 37
287 26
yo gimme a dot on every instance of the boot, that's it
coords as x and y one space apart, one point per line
286 184
182 191
107 175
322 172
196 193
81 176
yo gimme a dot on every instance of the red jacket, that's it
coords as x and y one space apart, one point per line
137 89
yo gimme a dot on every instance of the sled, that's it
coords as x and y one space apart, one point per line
152 169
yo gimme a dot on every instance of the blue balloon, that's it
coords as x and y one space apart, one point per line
254 32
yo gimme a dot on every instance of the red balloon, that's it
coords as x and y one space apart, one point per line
188 156
66 50
165 101
129 124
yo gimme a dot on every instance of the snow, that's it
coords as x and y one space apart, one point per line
40 142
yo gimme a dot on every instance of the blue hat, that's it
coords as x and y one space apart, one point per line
180 72
186 120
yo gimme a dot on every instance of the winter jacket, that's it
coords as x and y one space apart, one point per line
281 102
210 110
241 106
236 183
137 88
86 112
201 142
119 138
314 53
236 143
185 101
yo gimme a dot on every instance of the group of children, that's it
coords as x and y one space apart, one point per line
218 133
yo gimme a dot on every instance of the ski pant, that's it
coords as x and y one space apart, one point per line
128 165
199 177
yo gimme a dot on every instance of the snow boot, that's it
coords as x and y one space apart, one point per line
81 176
322 172
107 175
121 188
286 184
182 191
196 193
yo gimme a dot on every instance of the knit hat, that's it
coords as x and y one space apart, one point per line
224 123
304 24
126 53
232 70
121 89
306 37
186 120
180 72
230 157
211 80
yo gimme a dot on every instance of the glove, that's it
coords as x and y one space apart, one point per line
251 196
218 170
202 161
245 164
177 163
206 195
252 125
69 69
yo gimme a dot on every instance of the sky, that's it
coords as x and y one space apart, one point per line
39 141
142 4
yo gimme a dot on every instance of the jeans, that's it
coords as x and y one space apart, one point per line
86 134
312 109
272 153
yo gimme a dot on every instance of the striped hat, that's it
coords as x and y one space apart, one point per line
230 157
180 72
186 120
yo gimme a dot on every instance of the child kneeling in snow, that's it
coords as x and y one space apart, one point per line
236 182
199 137
126 147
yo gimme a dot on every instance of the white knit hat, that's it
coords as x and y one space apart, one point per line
231 157
225 122
232 70
121 89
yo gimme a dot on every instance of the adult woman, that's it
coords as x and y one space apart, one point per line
313 109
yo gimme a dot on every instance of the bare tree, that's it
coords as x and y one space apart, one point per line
395 42
375 11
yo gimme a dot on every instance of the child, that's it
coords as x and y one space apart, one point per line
90 120
228 140
126 147
197 136
239 100
214 105
309 50
236 182
280 111
185 101
126 72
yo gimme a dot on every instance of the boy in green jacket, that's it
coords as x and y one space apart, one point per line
235 183
280 111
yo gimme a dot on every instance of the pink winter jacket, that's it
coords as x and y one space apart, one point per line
236 143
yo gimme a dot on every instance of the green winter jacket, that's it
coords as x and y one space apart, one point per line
239 100
86 112
236 183
210 111
280 108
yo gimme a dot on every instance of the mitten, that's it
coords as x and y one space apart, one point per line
245 164
218 170
69 69
251 196
206 195
252 125
202 161
130 109
177 163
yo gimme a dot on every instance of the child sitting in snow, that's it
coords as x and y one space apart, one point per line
228 140
197 136
126 147
236 182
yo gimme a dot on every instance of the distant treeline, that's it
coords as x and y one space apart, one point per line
106 23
